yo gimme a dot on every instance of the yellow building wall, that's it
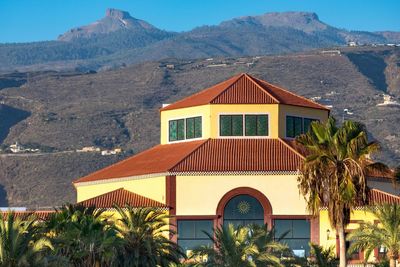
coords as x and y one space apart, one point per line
201 195
153 188
189 112
324 225
286 110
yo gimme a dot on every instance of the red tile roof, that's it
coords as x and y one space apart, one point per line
376 197
244 89
233 155
40 214
210 155
121 197
157 159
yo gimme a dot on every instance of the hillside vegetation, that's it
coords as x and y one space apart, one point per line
66 111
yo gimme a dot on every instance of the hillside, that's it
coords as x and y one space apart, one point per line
118 39
65 111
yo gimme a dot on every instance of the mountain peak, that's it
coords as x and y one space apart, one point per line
117 14
304 21
114 20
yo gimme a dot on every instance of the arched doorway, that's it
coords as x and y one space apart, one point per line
243 210
244 204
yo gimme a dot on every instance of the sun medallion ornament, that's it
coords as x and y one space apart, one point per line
243 207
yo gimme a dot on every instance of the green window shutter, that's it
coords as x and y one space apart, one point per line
189 128
289 126
251 125
262 125
298 126
173 130
197 127
237 125
180 129
225 125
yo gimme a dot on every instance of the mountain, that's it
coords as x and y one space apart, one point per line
119 40
114 20
60 112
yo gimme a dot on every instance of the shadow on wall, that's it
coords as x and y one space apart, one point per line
10 116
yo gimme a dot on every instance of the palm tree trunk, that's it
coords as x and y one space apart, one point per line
392 262
342 246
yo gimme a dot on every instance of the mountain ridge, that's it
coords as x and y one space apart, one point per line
118 40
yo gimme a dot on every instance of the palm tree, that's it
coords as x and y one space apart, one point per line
145 233
370 236
334 172
83 237
321 257
242 246
21 242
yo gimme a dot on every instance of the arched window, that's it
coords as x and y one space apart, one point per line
243 210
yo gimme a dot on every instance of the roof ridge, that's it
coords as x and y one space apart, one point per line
293 94
190 153
254 80
235 81
235 78
291 148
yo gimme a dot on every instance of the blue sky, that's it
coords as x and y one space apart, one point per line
35 20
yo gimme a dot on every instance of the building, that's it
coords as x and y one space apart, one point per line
226 156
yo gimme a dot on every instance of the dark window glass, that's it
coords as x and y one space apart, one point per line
262 125
289 126
256 125
298 126
231 125
294 126
197 127
173 130
243 210
189 128
181 129
296 234
237 125
307 123
191 233
225 125
251 125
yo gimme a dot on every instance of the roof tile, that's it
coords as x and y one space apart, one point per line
244 89
121 197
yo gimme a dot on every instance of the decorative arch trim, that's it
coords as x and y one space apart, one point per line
245 191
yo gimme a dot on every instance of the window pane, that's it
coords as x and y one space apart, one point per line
298 129
237 125
283 227
301 229
251 125
262 125
189 128
197 127
225 124
289 126
203 225
172 130
300 247
307 124
186 229
243 207
181 129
